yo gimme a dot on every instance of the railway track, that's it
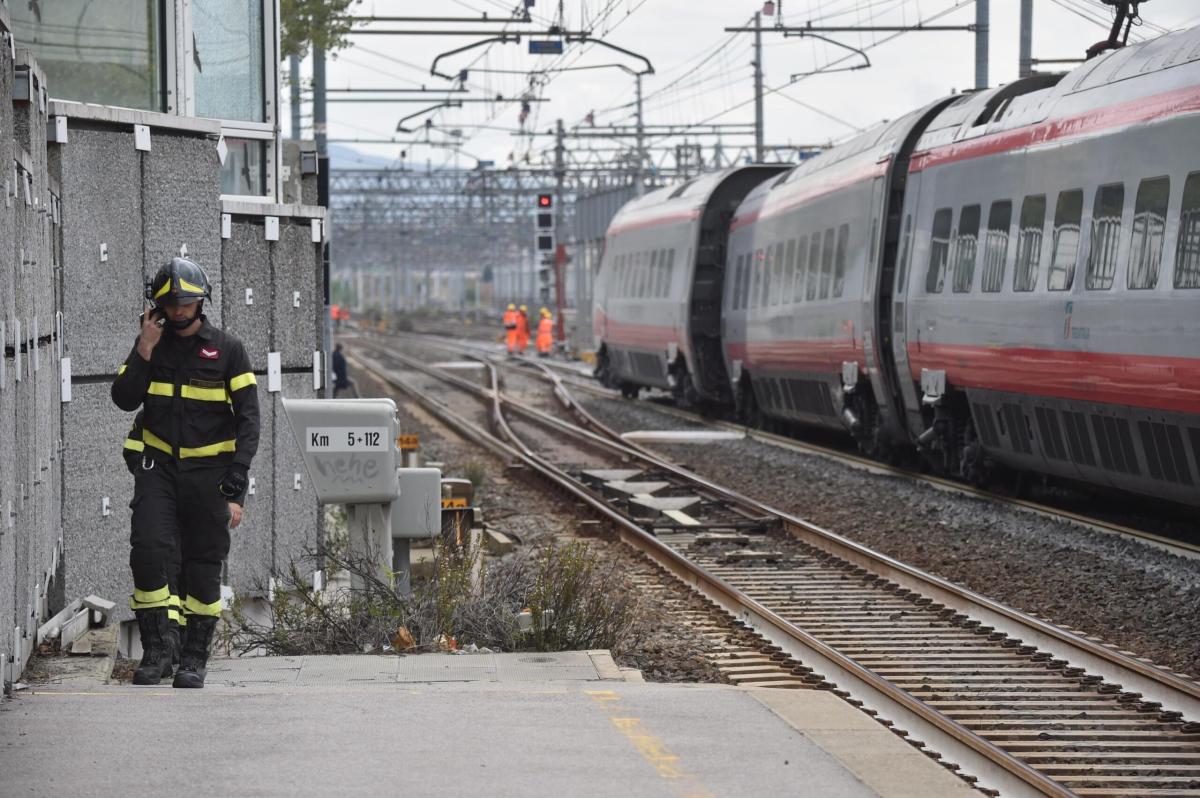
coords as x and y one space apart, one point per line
571 379
1019 704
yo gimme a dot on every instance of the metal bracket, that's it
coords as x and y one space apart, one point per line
249 296
316 231
295 481
65 373
141 137
933 386
271 228
105 509
57 132
103 252
849 376
295 299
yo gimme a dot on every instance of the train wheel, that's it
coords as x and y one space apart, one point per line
629 390
749 413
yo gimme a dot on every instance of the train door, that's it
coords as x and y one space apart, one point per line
875 319
908 391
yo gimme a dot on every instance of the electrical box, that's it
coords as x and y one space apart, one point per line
418 511
349 448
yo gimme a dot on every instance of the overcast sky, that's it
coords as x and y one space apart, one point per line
702 74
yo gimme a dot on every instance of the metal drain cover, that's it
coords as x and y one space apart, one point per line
538 659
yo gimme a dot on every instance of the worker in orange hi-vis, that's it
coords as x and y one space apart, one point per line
545 334
523 329
511 319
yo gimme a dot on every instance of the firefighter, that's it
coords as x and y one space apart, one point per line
545 333
199 433
523 329
510 328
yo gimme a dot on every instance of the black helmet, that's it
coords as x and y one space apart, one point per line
179 282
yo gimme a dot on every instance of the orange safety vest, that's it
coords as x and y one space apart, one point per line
545 335
510 319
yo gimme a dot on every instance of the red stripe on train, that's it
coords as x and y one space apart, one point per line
646 336
1145 109
1147 381
819 355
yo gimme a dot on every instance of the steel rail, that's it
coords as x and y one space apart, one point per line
1177 547
994 767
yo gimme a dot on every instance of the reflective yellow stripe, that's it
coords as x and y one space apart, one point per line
135 445
174 600
194 606
173 614
161 389
153 440
148 599
165 288
184 285
242 381
208 451
121 370
203 394
182 619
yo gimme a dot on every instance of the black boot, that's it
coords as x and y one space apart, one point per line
193 663
175 641
156 648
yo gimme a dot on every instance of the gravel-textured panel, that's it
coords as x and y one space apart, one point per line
1122 591
252 543
96 557
101 205
296 268
246 264
181 204
297 515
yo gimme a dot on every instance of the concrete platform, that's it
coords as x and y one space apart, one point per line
325 732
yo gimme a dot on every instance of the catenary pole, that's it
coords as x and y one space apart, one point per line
758 88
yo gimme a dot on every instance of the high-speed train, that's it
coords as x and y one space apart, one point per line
1004 278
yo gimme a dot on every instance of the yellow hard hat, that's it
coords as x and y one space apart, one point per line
524 308
511 306
543 310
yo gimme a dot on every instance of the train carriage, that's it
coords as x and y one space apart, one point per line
1053 313
811 254
658 293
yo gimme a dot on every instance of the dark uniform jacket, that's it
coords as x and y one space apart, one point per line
198 397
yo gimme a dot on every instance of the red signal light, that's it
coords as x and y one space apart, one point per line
545 200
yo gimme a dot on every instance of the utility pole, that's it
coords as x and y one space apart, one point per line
319 134
638 174
294 80
758 88
1025 67
560 247
981 44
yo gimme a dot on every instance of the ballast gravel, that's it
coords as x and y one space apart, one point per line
1125 592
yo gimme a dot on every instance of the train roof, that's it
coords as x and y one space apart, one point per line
1165 66
690 195
861 157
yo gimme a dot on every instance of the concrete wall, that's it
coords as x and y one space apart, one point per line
101 217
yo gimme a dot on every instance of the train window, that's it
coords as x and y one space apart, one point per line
1106 234
737 282
1064 247
768 262
619 277
826 263
839 263
1029 242
746 280
777 275
789 273
662 273
670 272
650 284
814 265
966 247
801 269
995 246
1187 251
939 251
756 287
902 270
1149 230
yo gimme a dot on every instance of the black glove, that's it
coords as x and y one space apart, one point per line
233 484
133 460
